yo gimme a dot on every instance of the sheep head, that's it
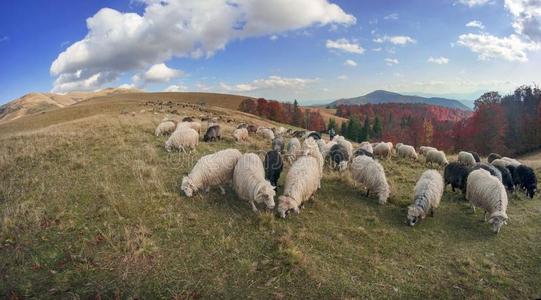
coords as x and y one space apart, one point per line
415 214
187 186
285 205
497 220
266 195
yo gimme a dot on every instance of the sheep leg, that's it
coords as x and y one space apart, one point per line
254 208
485 217
473 207
432 212
222 190
367 193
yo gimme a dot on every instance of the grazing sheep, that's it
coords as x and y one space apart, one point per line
166 127
511 161
310 148
367 146
273 167
266 133
361 151
493 156
240 134
211 170
193 125
251 129
391 146
327 149
466 158
339 157
398 145
489 168
302 181
347 145
456 174
437 157
423 150
213 133
526 180
507 178
298 133
313 134
280 130
513 172
181 139
293 148
382 150
428 192
407 151
370 174
278 144
486 191
249 181
475 156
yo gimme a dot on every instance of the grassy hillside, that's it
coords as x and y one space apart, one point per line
90 206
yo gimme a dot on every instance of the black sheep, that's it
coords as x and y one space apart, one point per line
213 133
507 178
490 168
338 154
187 119
456 174
493 156
299 133
512 170
252 128
315 135
278 144
526 179
475 156
273 167
361 151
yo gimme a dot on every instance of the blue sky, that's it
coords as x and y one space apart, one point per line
297 49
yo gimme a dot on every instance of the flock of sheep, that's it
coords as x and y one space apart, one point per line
255 180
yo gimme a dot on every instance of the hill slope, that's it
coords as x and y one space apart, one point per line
90 208
380 96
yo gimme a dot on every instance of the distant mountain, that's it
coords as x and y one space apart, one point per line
39 102
380 96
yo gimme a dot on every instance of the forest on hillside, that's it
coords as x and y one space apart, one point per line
509 125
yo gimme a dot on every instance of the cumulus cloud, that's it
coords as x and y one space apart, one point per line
119 42
344 45
393 16
487 46
126 86
350 63
158 73
527 17
396 40
472 3
271 82
176 88
391 61
438 60
475 24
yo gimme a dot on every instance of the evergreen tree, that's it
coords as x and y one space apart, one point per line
298 115
365 131
332 124
354 129
344 129
377 128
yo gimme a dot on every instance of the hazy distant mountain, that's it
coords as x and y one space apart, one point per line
380 96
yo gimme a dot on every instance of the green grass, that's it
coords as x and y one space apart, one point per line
90 206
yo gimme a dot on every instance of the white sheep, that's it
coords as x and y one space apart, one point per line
398 145
211 170
193 125
249 181
266 133
407 151
321 144
166 127
382 150
511 161
370 174
240 134
423 150
349 147
293 149
428 192
437 157
487 192
391 146
466 158
366 146
181 139
280 130
310 147
302 181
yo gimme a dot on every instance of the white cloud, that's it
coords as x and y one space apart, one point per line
342 77
487 46
391 61
472 3
377 49
527 14
350 63
438 60
119 42
396 40
475 24
158 73
393 16
176 88
271 82
273 37
126 86
345 45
